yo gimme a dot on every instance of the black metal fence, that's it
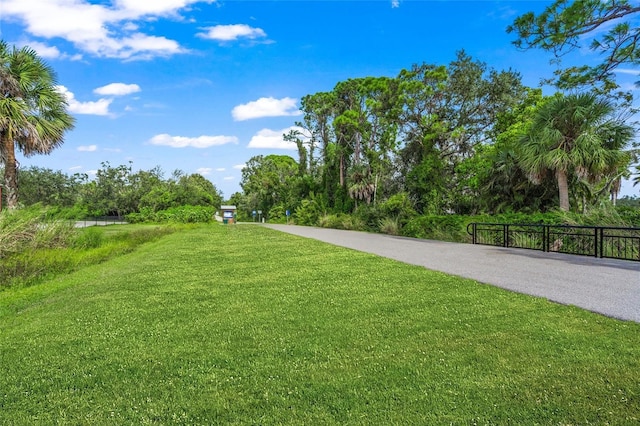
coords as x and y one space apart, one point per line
100 221
597 241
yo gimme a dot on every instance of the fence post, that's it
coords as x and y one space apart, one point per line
506 235
474 237
545 238
600 240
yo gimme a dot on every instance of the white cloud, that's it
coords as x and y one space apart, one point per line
74 168
395 3
141 46
43 50
47 52
137 8
117 89
99 107
99 29
88 148
232 32
199 142
228 178
627 71
266 107
204 171
239 166
221 169
273 139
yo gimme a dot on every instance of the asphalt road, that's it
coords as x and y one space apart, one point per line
606 286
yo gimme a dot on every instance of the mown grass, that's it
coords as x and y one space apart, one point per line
245 325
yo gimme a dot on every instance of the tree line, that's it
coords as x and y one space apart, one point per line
461 138
115 191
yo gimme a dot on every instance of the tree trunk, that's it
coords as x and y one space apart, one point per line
10 172
615 190
563 189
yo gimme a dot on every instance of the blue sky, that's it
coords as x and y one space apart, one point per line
202 86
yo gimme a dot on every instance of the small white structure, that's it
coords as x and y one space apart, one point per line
228 214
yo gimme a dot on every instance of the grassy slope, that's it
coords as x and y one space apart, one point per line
278 329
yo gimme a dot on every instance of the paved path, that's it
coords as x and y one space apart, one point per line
609 287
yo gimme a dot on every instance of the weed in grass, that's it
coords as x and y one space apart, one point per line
87 238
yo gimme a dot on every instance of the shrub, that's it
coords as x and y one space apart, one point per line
307 213
182 214
342 221
630 215
277 214
329 221
399 206
445 228
390 225
369 217
352 223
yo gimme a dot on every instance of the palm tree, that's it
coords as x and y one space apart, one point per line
33 116
574 135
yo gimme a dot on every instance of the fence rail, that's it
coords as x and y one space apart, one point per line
100 221
596 241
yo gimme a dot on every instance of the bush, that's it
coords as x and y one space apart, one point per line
182 214
342 221
277 214
369 217
399 206
307 213
390 225
445 228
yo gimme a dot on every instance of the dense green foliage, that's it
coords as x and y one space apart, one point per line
456 139
184 331
181 214
454 227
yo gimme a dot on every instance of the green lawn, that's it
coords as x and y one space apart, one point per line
245 325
